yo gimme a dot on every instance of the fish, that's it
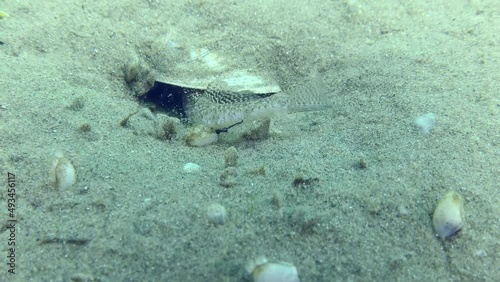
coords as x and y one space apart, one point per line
219 108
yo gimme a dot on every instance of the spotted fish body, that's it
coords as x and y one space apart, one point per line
221 109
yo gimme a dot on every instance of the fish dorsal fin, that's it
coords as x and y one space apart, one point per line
217 92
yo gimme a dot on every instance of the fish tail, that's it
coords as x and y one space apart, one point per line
312 96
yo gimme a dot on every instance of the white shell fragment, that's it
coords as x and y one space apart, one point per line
200 67
216 214
180 62
63 173
425 122
449 215
191 168
263 271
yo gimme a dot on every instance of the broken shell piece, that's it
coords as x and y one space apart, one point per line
425 122
263 271
191 168
449 215
200 136
63 173
178 62
216 214
202 66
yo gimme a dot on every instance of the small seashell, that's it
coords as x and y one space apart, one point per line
191 168
263 271
63 173
216 214
449 215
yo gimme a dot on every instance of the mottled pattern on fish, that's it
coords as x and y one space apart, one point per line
220 109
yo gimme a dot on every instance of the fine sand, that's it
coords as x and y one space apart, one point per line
344 194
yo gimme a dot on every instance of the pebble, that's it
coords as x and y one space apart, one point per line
191 168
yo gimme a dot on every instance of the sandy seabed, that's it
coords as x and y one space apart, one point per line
367 179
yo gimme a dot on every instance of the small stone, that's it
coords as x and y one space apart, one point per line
403 211
191 168
362 164
230 157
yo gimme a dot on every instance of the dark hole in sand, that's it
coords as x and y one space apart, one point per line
168 98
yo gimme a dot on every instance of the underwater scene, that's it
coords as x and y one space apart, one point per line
264 140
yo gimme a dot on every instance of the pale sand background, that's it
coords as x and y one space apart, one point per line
387 64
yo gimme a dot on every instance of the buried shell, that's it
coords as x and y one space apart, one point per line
180 64
448 216
201 67
62 172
